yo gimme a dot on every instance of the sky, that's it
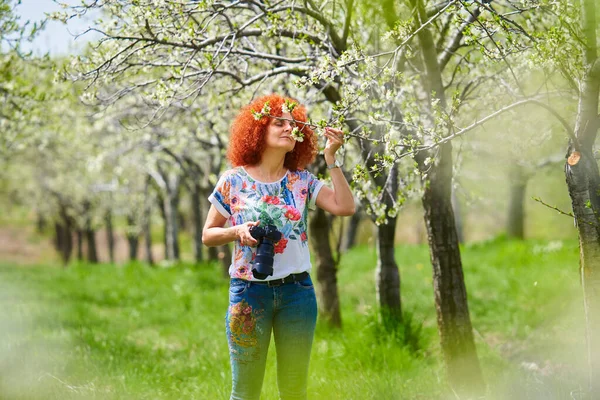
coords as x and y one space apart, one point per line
57 38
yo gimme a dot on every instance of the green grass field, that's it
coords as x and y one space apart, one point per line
134 332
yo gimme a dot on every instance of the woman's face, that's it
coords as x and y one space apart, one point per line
279 133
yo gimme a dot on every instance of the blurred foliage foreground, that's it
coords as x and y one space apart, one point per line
135 332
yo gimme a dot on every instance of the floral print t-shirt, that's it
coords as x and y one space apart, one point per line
285 203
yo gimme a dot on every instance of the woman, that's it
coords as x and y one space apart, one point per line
269 149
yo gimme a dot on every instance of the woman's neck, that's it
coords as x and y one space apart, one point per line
270 167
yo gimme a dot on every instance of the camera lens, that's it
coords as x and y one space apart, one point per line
265 252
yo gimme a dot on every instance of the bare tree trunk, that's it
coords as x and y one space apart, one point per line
388 275
454 321
170 184
58 236
583 181
161 207
224 257
132 237
213 254
326 270
79 242
515 224
90 234
171 223
110 235
197 220
352 230
458 218
146 222
64 235
40 223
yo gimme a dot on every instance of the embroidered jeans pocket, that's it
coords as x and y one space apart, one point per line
237 287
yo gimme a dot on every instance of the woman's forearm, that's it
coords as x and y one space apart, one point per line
217 236
343 194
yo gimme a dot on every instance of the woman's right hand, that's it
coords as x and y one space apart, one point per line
243 233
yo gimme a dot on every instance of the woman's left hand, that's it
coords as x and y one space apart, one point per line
335 140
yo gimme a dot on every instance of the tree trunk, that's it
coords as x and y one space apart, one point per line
132 237
146 222
40 223
213 254
458 217
454 322
90 234
64 235
58 236
388 275
224 257
171 224
583 181
110 235
160 201
197 220
79 236
515 220
326 270
352 231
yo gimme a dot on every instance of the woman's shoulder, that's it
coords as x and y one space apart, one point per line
232 172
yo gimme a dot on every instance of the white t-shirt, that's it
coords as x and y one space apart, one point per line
284 204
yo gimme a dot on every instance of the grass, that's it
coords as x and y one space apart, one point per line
134 332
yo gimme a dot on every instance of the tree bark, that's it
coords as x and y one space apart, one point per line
454 322
40 223
90 234
458 217
197 220
147 222
79 241
170 185
92 254
224 257
132 237
172 224
160 201
110 236
168 202
64 235
326 270
388 274
583 181
352 231
515 221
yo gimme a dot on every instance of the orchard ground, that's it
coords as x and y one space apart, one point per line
137 332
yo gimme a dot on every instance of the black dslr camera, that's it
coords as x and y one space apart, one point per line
263 262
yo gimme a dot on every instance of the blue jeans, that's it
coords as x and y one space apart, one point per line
290 311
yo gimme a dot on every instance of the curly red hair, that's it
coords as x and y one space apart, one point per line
247 142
